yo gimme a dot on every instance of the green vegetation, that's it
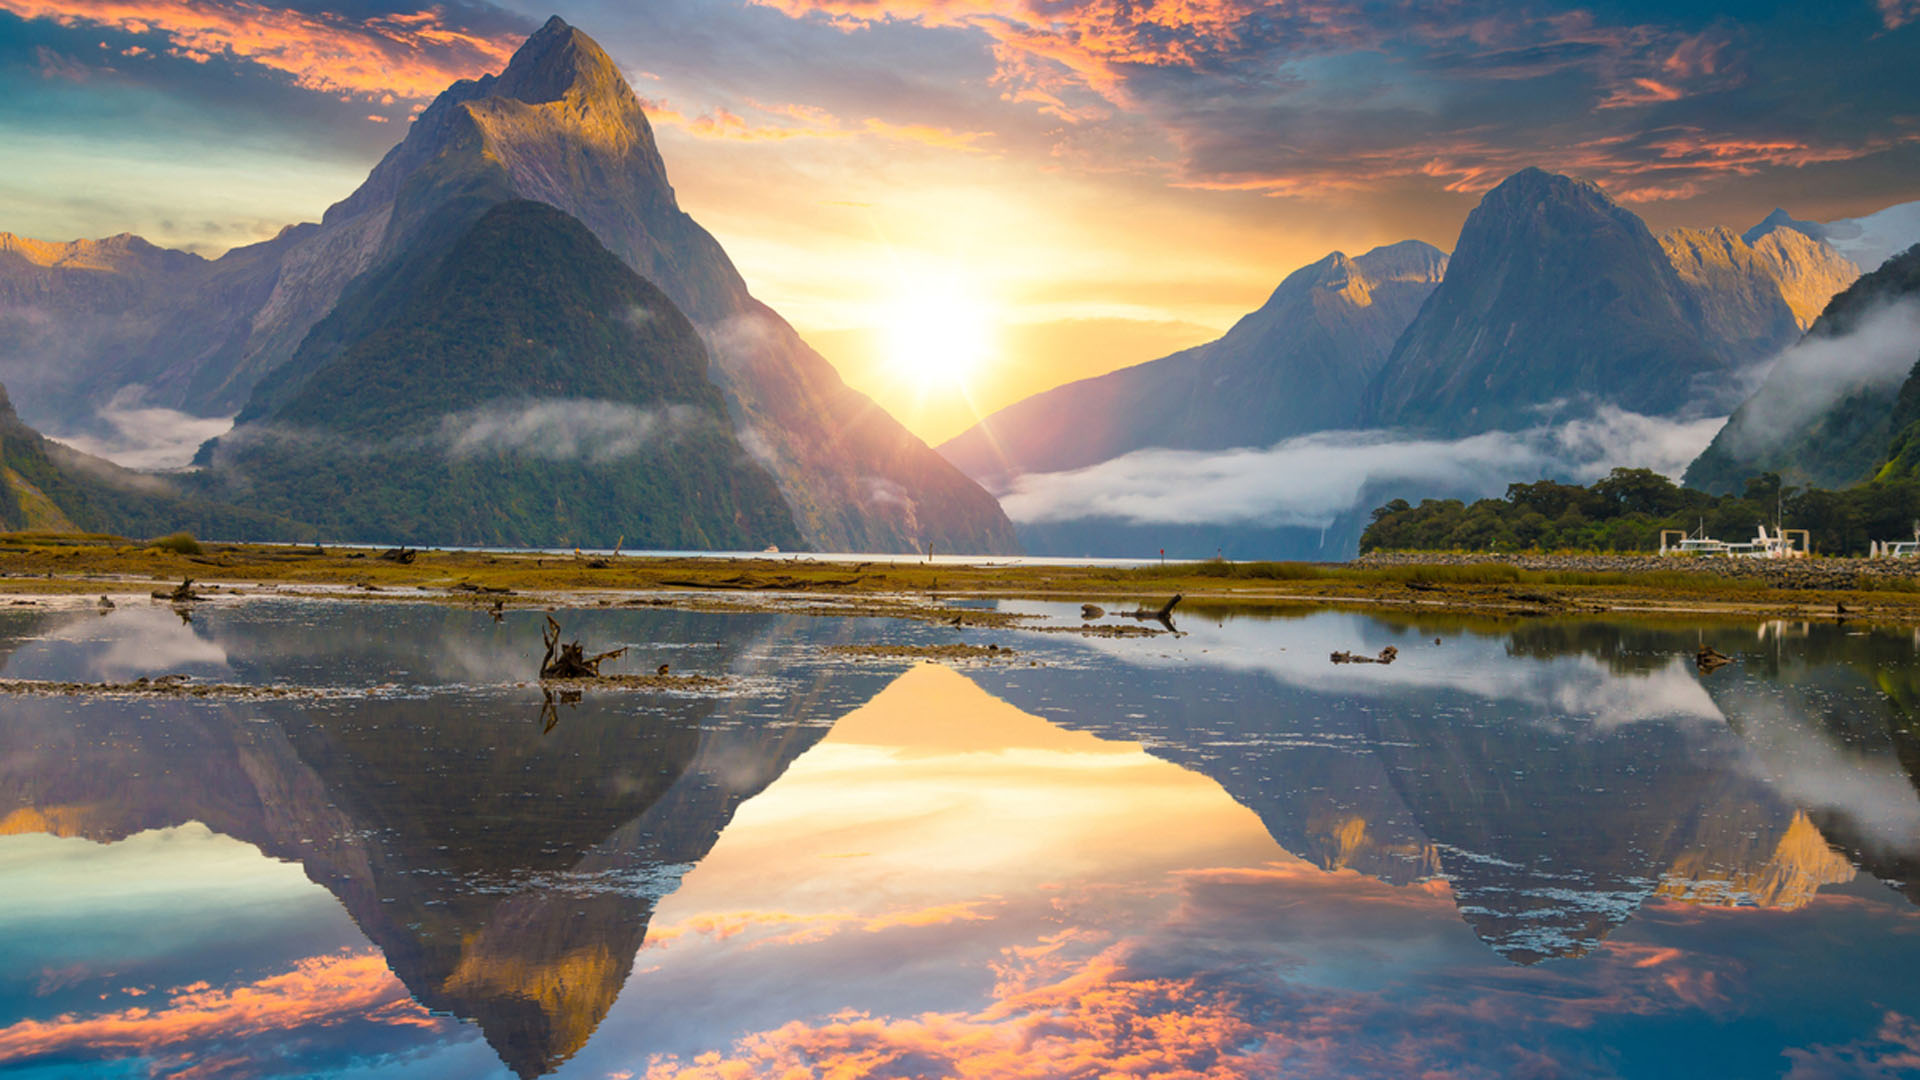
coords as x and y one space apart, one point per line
180 543
1627 510
47 488
518 386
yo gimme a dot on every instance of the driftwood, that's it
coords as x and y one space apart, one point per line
180 594
570 660
1387 656
402 555
1164 616
1710 659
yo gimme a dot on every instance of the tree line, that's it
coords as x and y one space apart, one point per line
1627 509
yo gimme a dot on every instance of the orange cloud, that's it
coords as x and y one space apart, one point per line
1898 13
410 55
1640 91
320 990
1664 164
1091 1022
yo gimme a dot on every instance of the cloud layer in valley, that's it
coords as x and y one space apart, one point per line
1312 479
142 436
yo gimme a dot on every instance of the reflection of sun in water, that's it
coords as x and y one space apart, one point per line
937 332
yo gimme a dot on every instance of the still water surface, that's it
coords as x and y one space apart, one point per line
1542 848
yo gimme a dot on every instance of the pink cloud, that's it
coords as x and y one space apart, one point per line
1898 13
409 54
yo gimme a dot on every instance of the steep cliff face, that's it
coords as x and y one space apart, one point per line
1299 363
561 126
1557 299
1743 286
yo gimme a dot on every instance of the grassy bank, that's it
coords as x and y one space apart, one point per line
43 564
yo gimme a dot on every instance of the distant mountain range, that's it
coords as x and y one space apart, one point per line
1556 303
559 126
1299 363
1868 241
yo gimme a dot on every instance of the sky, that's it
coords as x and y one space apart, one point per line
962 202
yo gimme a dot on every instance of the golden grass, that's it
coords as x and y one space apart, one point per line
78 564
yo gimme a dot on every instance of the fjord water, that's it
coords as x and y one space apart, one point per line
1535 847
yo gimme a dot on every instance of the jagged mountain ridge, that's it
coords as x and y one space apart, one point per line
1296 364
1743 283
1867 241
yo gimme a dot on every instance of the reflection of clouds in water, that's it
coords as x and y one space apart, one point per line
1809 767
1263 970
130 641
1295 652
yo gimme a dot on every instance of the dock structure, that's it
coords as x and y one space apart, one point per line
1778 544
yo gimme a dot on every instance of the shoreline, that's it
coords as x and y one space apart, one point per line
34 569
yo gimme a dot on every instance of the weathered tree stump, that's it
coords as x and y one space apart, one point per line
570 660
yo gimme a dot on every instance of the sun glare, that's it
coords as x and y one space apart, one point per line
937 333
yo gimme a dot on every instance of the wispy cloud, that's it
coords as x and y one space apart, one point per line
597 432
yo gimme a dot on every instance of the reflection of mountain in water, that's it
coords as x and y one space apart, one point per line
1552 828
508 875
1831 716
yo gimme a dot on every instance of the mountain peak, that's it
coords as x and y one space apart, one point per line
1408 260
1535 186
558 60
1778 220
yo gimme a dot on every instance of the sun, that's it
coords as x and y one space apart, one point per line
937 332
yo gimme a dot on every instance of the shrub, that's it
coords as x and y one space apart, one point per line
180 543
